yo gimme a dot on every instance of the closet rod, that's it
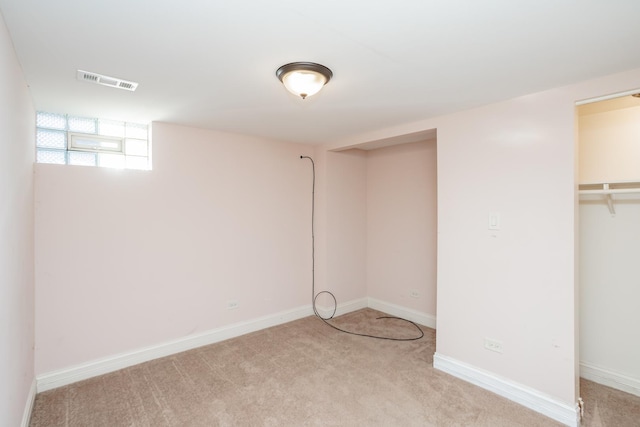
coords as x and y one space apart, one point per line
608 193
611 191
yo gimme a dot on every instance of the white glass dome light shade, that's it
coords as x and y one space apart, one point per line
304 79
303 83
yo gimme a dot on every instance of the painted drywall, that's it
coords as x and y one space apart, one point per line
609 244
518 284
127 259
609 147
610 287
371 205
515 284
346 226
402 225
17 124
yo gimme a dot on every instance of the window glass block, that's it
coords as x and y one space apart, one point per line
82 158
82 124
135 162
51 156
135 130
111 161
51 138
135 147
51 121
98 142
110 128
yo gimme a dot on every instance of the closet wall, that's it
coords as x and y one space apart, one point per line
609 152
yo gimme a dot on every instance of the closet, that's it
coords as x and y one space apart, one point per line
609 242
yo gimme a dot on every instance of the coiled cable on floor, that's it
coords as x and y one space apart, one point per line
315 296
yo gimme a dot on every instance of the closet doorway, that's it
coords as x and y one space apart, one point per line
609 241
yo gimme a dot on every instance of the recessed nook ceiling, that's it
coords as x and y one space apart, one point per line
211 64
617 103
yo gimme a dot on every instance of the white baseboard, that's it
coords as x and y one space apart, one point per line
342 308
105 365
532 399
610 378
28 407
403 312
113 363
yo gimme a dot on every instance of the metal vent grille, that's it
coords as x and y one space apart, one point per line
100 79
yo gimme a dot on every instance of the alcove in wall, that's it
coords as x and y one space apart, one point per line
390 186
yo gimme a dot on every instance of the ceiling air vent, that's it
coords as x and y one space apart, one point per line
100 79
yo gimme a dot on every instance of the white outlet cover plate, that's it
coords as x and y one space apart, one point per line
493 345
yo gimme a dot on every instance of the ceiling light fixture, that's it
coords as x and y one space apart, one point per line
304 78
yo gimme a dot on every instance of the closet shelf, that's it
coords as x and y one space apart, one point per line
608 190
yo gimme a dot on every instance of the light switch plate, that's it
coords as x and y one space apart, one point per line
494 220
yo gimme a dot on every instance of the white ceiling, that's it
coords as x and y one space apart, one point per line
212 63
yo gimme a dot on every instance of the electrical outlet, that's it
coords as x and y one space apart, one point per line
493 345
414 293
232 304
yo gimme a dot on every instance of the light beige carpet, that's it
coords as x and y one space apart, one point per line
304 373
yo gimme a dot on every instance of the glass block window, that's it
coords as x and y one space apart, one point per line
70 140
58 157
51 121
111 128
47 138
82 125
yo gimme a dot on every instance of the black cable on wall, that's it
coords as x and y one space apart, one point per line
315 296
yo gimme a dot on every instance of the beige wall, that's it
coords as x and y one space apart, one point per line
128 259
609 291
402 225
610 146
517 285
376 222
17 124
346 227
